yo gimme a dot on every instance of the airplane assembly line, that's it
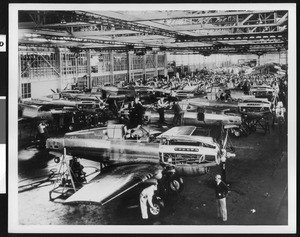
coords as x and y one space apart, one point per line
106 110
257 165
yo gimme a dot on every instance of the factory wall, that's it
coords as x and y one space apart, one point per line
42 69
197 61
42 88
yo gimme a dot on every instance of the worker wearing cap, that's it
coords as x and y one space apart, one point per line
221 193
146 196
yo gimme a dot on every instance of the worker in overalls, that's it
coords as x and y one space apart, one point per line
146 197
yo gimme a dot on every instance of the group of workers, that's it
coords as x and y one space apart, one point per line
279 84
136 112
221 192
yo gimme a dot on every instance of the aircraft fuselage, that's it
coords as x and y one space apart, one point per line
93 145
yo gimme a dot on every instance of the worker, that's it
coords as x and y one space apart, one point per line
146 197
178 113
138 112
130 108
42 134
221 193
218 94
223 164
161 105
281 130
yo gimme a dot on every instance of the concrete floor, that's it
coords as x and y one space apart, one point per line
257 178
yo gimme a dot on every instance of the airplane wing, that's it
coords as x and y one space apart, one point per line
177 131
113 182
214 104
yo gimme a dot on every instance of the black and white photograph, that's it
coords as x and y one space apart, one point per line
152 118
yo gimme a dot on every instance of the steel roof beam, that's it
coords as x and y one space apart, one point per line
260 35
178 14
201 27
129 25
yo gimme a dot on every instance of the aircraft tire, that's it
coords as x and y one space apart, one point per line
237 132
175 185
57 159
159 205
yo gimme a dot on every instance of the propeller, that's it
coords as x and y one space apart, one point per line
98 98
66 87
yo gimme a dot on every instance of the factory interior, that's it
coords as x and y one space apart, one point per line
112 103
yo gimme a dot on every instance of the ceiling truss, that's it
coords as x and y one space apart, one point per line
209 31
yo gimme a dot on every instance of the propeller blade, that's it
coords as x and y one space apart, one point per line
97 97
225 140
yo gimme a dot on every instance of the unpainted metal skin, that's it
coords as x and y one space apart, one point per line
118 150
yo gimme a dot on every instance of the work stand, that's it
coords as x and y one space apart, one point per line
260 123
64 185
227 143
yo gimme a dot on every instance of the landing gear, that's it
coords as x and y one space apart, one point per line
171 182
158 204
175 184
236 132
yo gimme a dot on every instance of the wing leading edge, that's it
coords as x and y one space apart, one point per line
113 182
179 131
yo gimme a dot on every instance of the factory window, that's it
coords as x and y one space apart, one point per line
120 62
82 63
68 64
102 80
120 78
137 62
26 90
38 64
150 61
106 61
160 60
73 64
